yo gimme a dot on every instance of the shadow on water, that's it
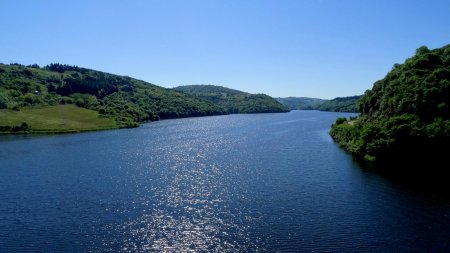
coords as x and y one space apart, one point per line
420 177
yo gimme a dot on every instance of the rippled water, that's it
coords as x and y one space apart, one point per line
238 183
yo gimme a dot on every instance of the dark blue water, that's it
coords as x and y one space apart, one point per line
239 183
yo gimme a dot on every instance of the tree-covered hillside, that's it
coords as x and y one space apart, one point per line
126 100
406 115
234 101
340 104
208 89
301 103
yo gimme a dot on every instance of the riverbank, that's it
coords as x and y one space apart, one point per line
53 120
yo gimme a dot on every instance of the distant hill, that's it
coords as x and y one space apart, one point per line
208 89
340 104
233 101
124 100
301 103
405 117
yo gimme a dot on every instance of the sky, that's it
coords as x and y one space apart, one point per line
303 48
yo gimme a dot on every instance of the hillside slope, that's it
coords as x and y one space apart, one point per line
126 100
301 103
339 104
53 119
234 101
405 116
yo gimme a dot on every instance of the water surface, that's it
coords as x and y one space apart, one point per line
238 183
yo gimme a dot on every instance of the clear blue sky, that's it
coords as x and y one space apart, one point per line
314 48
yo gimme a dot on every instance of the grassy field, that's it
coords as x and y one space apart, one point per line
56 119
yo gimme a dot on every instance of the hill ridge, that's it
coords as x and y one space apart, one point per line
234 101
127 100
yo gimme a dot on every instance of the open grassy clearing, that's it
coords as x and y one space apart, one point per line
56 119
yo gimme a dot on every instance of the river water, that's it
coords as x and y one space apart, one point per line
236 183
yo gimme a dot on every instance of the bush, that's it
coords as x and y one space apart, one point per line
24 127
15 107
31 99
4 101
340 120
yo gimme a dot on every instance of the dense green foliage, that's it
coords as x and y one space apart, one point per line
301 103
340 104
234 101
127 100
406 115
208 89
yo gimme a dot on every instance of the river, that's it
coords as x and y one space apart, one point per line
236 183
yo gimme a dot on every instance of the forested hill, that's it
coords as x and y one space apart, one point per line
406 115
301 103
233 101
208 89
126 100
339 104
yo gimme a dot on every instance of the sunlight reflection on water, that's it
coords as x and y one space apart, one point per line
192 209
238 183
